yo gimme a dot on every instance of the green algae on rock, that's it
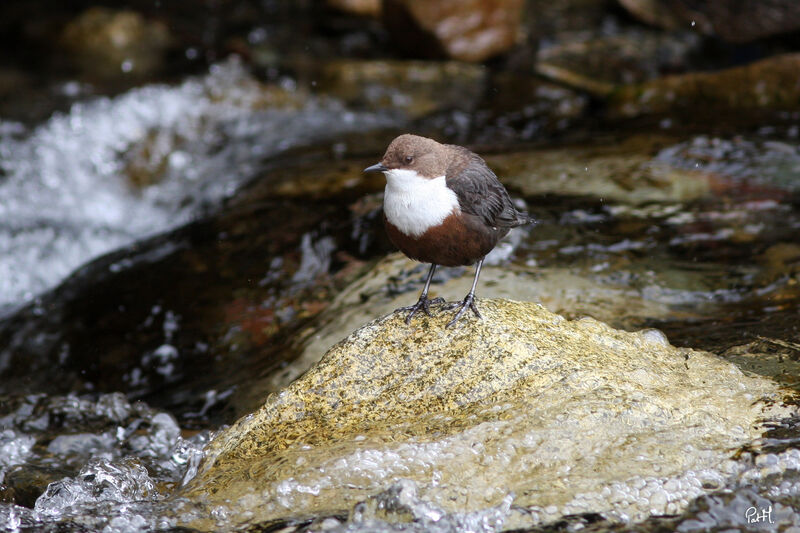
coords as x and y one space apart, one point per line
570 416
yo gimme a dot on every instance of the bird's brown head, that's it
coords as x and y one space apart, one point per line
426 157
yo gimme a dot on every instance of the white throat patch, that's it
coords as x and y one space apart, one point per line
413 203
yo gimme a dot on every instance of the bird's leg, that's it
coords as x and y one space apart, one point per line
469 300
423 302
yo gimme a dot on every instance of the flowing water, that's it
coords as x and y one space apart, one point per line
112 171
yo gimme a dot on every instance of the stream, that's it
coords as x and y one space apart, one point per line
169 247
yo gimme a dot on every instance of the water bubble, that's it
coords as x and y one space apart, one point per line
655 336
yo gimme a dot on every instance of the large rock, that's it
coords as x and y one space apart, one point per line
733 20
568 416
396 281
761 88
599 64
467 30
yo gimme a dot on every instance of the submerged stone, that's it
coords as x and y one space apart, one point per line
625 172
761 88
569 416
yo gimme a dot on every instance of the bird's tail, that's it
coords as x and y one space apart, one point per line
523 219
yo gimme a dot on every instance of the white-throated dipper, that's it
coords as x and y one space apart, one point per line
442 205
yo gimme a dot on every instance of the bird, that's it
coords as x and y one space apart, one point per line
443 205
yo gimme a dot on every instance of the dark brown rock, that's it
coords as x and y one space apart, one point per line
369 8
470 30
733 20
548 19
598 65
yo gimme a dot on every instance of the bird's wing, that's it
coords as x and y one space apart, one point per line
480 193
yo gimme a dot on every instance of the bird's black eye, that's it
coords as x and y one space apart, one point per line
409 159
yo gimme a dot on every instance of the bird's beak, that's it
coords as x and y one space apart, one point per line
378 167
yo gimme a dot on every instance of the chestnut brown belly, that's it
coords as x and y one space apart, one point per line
458 240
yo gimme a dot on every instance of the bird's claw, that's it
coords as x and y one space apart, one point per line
423 304
468 302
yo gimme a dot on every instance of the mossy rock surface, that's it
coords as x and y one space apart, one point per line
569 416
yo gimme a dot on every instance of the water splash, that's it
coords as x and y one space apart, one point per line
127 459
100 481
114 170
399 509
15 447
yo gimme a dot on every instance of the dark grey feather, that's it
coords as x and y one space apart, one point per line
479 191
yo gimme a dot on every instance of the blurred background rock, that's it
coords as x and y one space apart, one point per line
609 51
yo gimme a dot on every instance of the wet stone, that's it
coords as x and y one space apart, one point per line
597 65
396 281
416 88
303 182
733 20
113 43
759 167
775 358
370 8
752 91
30 481
625 172
511 402
160 357
472 30
524 107
548 20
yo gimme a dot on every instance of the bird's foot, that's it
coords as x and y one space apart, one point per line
423 304
467 303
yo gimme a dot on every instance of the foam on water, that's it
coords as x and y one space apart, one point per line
745 488
127 486
65 196
127 458
15 447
